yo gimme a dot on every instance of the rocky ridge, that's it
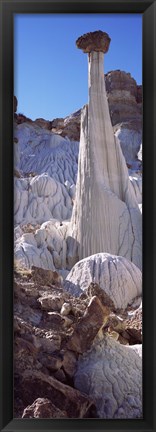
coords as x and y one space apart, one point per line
125 106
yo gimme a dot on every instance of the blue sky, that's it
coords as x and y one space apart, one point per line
51 73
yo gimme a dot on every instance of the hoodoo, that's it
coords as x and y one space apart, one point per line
106 216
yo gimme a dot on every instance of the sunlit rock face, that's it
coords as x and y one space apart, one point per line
106 216
117 277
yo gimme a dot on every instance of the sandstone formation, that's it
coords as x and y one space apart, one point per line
97 41
124 101
125 107
120 279
106 216
68 127
112 374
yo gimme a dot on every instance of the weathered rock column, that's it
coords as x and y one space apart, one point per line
106 216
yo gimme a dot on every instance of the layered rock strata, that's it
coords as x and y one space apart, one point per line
106 216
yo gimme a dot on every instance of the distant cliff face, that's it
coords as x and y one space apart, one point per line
124 97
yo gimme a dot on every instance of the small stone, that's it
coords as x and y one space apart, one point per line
66 309
51 302
60 376
113 334
67 322
69 363
44 276
55 318
95 290
52 362
43 408
49 344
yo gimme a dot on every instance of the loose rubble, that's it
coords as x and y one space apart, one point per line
50 338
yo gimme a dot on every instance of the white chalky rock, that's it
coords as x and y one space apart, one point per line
140 153
106 216
130 142
43 151
136 182
111 374
39 199
117 276
45 248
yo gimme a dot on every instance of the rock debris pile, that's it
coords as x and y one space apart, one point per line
55 334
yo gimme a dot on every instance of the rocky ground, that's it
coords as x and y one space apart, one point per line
52 331
77 331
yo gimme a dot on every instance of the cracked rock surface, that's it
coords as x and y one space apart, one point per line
111 373
120 279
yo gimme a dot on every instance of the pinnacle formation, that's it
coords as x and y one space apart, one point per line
95 41
106 216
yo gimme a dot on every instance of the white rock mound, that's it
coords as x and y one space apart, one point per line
45 247
43 151
39 199
111 374
117 276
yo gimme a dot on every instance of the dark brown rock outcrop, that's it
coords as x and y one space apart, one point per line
88 326
94 41
37 384
124 97
43 408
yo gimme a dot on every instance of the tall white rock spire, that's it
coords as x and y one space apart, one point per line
106 216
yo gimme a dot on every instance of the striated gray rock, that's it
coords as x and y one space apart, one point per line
130 139
45 247
106 216
39 199
111 373
119 278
